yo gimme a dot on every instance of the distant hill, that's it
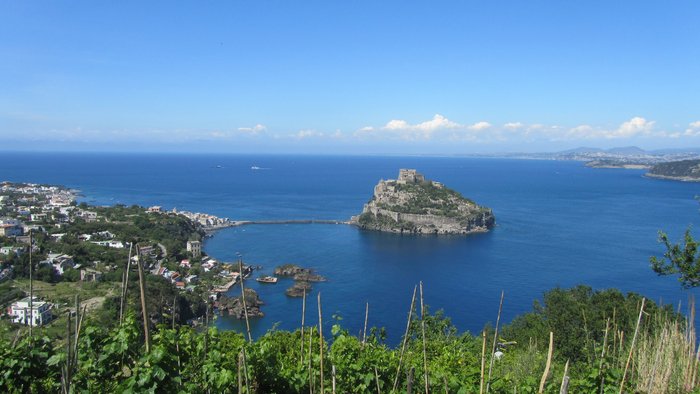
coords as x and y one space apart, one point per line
627 150
684 170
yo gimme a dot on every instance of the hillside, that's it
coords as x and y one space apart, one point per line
412 204
684 170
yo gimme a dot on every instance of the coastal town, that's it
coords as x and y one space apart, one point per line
69 248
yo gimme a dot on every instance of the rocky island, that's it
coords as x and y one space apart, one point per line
412 204
683 170
302 278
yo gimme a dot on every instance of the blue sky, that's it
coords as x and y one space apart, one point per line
349 77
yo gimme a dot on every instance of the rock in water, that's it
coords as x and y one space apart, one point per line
234 306
415 205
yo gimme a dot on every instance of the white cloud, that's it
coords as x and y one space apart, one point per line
693 129
303 134
479 126
429 126
633 127
513 126
255 130
401 129
581 131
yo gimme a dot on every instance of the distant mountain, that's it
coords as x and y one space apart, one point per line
627 150
684 170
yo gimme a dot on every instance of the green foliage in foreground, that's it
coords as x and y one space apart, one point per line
184 360
682 259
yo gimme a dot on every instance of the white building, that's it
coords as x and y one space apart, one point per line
38 315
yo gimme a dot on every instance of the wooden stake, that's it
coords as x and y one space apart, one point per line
68 354
31 289
144 311
495 340
320 337
333 377
405 339
634 339
78 318
311 376
245 368
549 362
303 315
376 380
245 309
601 375
483 361
125 283
240 376
422 327
409 381
565 380
364 331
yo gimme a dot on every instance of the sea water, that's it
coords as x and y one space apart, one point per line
558 224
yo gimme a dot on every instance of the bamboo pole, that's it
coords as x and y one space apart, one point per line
320 337
311 376
333 378
601 375
68 354
634 339
245 309
564 388
78 318
483 361
405 339
376 380
303 315
125 283
364 331
240 377
422 328
245 368
31 289
549 362
144 311
495 339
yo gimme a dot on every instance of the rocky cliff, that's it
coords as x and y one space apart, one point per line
414 205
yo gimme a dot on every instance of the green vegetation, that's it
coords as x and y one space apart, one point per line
683 170
682 259
428 199
593 330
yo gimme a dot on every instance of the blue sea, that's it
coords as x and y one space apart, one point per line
558 224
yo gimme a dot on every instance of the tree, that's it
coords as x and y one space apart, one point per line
682 259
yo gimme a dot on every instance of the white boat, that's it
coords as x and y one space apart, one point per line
267 279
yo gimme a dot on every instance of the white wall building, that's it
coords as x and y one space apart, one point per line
38 315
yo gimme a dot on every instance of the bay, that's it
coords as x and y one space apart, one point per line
558 224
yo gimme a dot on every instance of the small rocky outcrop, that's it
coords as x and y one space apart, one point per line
298 273
233 306
415 205
298 289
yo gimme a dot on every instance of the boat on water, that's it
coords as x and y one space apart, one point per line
267 279
255 168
